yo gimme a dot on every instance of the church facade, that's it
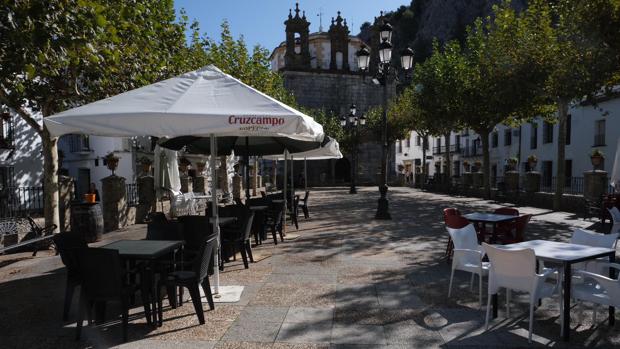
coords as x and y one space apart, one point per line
321 70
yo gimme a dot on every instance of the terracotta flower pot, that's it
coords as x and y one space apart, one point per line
146 168
532 165
596 160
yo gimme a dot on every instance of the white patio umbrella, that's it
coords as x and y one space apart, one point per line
615 172
205 102
331 150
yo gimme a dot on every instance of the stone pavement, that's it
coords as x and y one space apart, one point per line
342 281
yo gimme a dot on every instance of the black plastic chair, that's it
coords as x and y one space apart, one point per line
191 279
104 279
68 245
273 220
304 204
237 238
195 230
293 210
160 228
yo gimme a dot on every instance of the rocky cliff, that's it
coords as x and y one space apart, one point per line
419 23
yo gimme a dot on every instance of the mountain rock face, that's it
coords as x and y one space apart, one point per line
418 24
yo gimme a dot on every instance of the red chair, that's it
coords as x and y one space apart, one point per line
508 211
505 228
518 233
452 218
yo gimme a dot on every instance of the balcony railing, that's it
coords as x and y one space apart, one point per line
454 148
471 151
20 201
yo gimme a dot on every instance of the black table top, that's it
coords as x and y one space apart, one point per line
489 217
143 249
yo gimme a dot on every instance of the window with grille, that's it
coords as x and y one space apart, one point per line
507 137
599 133
6 131
547 132
6 177
494 139
418 140
408 142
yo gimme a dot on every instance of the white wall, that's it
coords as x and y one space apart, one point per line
26 157
100 146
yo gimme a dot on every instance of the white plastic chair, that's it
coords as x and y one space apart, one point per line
597 288
468 256
594 239
516 270
615 218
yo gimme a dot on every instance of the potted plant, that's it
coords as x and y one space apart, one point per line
597 157
478 165
146 163
200 167
512 163
184 164
111 161
532 160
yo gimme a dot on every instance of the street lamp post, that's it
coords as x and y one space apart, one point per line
385 71
351 124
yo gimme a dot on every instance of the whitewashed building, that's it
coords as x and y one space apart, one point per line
589 127
21 165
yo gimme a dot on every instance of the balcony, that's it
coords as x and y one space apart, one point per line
471 151
454 149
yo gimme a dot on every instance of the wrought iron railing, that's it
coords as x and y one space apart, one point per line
471 151
20 201
132 194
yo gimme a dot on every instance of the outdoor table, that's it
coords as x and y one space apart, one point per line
493 218
566 254
146 250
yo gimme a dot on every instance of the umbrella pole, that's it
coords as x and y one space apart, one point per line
216 225
247 168
292 183
284 190
305 174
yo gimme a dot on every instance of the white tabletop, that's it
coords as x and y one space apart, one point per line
559 251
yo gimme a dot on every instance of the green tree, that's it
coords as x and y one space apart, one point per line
439 108
233 57
60 54
581 57
498 81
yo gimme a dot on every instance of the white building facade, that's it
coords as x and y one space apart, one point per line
588 128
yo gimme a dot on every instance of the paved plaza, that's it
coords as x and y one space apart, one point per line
343 280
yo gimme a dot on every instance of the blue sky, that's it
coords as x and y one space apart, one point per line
262 21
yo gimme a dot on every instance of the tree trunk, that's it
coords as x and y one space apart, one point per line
486 166
448 160
424 171
50 179
561 165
